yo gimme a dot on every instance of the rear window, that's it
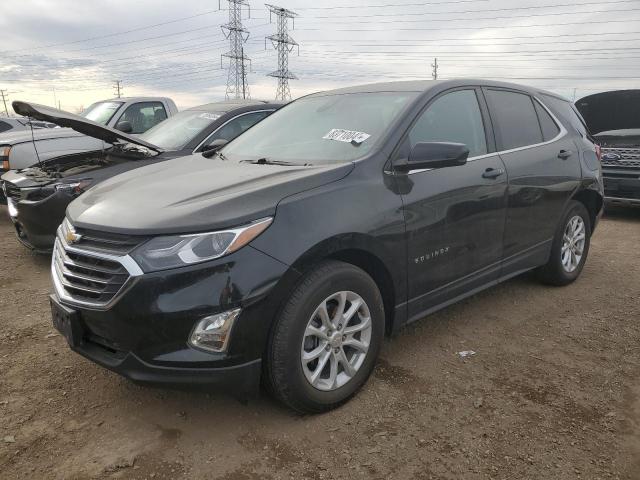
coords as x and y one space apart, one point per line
515 118
549 128
569 113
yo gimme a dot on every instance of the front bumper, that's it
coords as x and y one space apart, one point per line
143 335
36 221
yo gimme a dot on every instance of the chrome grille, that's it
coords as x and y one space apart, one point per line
629 157
86 277
12 191
111 243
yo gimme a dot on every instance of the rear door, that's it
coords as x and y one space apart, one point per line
543 169
454 216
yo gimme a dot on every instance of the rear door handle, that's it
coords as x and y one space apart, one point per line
493 172
564 154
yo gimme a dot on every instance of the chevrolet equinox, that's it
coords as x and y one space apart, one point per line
287 255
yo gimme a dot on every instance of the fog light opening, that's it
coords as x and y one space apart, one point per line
212 333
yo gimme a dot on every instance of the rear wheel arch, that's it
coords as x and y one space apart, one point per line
592 201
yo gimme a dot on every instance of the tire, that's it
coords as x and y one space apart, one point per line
557 272
289 377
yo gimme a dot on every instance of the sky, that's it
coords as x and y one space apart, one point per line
70 53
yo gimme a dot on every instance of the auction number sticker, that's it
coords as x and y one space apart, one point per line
210 116
348 136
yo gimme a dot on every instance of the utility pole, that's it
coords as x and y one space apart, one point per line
5 96
237 35
284 45
434 72
118 87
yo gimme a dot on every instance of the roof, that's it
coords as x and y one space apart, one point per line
228 105
136 99
426 85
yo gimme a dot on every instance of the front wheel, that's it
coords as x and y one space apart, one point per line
325 342
570 247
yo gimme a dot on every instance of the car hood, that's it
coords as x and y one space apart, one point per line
615 110
79 124
194 194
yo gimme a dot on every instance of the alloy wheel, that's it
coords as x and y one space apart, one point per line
336 340
573 242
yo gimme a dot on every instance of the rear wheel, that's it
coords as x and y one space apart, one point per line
570 247
326 339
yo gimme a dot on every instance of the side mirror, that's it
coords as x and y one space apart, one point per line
213 147
124 126
435 155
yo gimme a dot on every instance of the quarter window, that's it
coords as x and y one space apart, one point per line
515 119
4 126
235 127
453 117
549 128
144 115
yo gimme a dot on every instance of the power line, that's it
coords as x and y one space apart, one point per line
284 44
237 35
508 9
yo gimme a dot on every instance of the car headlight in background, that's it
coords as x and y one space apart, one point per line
4 157
76 187
161 253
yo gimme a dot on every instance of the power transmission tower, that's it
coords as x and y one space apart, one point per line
434 72
284 44
237 85
5 95
118 87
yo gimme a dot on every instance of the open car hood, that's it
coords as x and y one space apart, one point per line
607 111
79 124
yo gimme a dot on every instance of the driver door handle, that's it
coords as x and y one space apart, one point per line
564 154
493 172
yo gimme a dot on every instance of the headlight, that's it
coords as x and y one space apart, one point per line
75 187
161 253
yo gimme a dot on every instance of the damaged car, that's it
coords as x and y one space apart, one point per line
614 120
37 197
287 256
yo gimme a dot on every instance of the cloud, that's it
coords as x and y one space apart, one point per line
80 48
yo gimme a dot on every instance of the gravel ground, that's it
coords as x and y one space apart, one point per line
552 392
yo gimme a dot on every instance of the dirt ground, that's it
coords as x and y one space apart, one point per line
553 392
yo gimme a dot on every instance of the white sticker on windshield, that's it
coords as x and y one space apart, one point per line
348 136
210 116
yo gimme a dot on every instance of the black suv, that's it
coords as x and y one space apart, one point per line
342 216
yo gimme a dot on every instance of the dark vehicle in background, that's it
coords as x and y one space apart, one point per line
134 115
344 215
614 120
38 196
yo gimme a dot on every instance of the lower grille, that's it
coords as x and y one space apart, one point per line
86 277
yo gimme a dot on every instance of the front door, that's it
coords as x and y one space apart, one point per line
454 216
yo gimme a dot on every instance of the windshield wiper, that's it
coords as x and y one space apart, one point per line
267 161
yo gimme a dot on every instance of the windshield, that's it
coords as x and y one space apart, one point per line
321 129
176 132
101 112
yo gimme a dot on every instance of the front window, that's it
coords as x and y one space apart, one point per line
176 132
143 115
321 129
101 112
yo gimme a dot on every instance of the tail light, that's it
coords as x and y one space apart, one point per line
4 157
599 152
